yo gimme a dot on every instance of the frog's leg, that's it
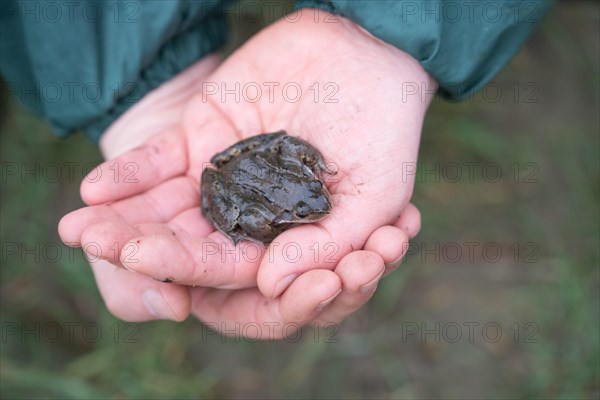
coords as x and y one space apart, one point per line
261 142
256 222
207 182
295 148
216 205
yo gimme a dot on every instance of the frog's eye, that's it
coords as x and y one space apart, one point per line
308 159
302 209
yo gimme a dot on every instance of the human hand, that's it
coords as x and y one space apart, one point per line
369 134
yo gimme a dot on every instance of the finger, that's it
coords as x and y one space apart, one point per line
192 222
322 245
136 298
248 313
359 272
292 254
179 257
162 256
110 240
72 225
105 240
410 221
389 242
309 295
156 205
162 157
160 203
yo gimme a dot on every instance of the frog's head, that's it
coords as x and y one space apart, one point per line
314 206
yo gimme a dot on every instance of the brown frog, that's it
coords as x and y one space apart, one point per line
264 185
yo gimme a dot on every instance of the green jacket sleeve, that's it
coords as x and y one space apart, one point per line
462 44
81 64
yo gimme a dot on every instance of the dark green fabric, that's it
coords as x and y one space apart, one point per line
463 44
81 64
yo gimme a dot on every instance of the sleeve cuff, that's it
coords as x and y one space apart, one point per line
463 45
180 53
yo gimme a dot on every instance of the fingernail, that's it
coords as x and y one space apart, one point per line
396 263
325 303
372 285
156 305
283 284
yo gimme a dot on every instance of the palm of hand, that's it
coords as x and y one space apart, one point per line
339 96
331 84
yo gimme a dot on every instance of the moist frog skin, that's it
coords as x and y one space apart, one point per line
263 185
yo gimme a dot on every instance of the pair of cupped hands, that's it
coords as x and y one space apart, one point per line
153 254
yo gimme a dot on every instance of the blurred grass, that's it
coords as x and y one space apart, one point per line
558 292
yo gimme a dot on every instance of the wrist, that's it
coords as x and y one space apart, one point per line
418 87
157 111
349 42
